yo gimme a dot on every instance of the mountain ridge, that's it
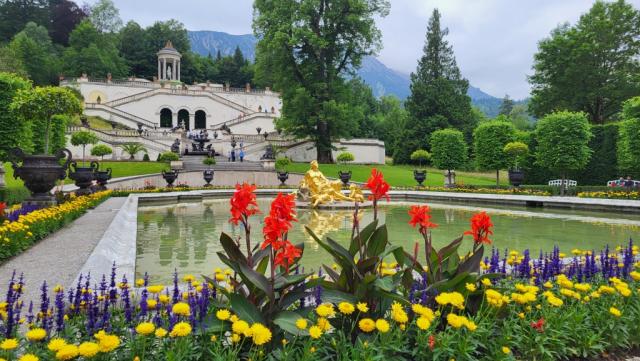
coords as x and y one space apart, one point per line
382 79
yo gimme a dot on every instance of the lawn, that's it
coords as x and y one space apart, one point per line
119 169
401 175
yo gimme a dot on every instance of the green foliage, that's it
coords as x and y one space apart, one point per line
489 140
420 155
631 108
93 53
345 157
516 150
282 163
563 141
389 121
209 161
629 147
35 51
13 133
58 136
134 148
101 150
83 138
506 106
308 66
567 74
448 149
105 16
40 104
438 97
145 157
168 157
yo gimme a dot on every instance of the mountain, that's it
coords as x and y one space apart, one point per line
382 79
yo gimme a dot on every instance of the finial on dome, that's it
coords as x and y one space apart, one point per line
168 45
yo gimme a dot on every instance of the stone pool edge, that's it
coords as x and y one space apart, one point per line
118 243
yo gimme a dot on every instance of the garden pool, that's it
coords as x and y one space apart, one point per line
185 236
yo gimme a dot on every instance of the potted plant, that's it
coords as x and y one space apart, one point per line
39 106
101 150
420 155
101 176
516 150
208 177
83 176
170 177
344 158
281 166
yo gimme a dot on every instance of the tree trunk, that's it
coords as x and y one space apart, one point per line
449 177
497 177
562 185
323 143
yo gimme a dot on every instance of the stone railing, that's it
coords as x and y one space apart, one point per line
132 118
155 85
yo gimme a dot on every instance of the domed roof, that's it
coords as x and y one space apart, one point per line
169 50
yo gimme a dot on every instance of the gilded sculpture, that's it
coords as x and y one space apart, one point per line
317 189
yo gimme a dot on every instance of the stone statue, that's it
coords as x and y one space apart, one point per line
268 153
320 189
168 72
355 193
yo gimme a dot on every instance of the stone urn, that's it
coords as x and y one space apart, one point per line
102 176
170 177
83 177
345 177
40 173
208 177
420 176
282 177
516 177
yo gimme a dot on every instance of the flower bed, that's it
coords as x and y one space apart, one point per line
635 195
31 225
504 306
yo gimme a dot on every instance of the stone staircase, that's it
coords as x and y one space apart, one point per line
193 163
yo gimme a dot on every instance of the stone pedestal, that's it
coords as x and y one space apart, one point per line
2 172
447 183
268 164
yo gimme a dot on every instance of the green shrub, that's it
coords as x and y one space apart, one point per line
282 163
515 150
83 138
168 157
345 157
14 194
101 150
420 155
209 161
146 158
489 140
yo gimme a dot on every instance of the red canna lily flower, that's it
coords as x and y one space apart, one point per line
278 222
243 203
480 228
432 342
377 186
287 255
538 325
421 216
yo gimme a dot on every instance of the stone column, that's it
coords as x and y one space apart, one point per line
159 70
178 70
174 119
192 121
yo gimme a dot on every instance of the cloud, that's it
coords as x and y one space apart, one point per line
494 40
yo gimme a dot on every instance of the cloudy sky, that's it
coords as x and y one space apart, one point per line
494 40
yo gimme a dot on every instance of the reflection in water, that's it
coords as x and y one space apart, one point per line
185 236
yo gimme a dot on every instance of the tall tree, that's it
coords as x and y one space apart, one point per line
10 63
15 14
33 47
133 47
489 140
629 140
390 120
593 66
448 150
506 106
93 53
105 16
64 16
308 46
438 97
13 132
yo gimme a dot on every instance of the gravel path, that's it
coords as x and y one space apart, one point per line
59 257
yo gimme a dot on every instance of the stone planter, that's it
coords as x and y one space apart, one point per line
40 173
282 177
102 177
345 177
208 177
83 177
420 176
170 177
516 177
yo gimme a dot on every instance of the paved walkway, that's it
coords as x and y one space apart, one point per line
59 257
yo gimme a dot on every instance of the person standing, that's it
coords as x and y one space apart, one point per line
233 155
241 155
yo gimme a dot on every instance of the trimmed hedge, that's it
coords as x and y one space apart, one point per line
14 194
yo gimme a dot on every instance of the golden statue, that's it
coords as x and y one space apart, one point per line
317 189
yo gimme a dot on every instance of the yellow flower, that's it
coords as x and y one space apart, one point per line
470 287
151 304
455 321
635 275
382 325
301 323
315 332
88 349
164 299
213 338
486 282
67 352
325 310
240 326
181 308
181 329
36 334
108 343
223 314
323 323
521 315
362 307
367 325
234 318
145 328
260 334
423 311
161 332
423 323
346 308
548 285
235 338
506 350
55 344
155 289
29 357
189 278
9 344
614 311
139 282
454 299
398 314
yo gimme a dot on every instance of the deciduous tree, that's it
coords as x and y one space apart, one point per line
489 140
448 149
